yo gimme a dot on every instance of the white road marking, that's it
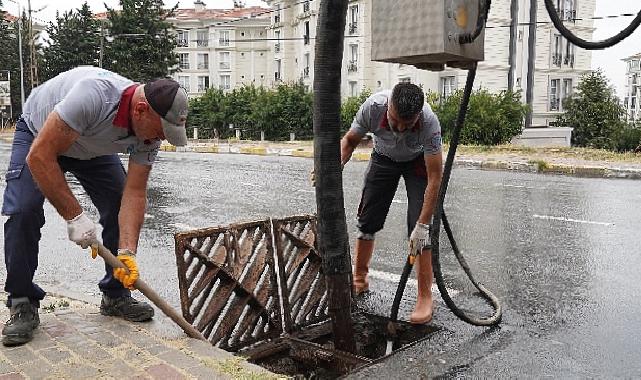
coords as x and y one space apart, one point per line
395 278
560 218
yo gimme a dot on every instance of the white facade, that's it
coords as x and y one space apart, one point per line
558 65
221 48
632 84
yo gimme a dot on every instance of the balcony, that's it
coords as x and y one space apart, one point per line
305 72
202 43
352 67
223 42
353 28
306 6
225 66
568 60
224 87
277 76
202 88
306 40
182 43
276 19
203 66
557 59
554 104
277 48
184 65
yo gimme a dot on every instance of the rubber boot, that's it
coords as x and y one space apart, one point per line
362 255
423 310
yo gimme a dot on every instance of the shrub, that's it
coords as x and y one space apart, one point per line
491 119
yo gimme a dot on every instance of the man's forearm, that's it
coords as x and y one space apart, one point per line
130 219
346 150
51 181
429 202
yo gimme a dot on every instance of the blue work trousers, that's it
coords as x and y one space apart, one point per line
103 178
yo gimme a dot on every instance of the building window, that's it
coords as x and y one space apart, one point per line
202 38
567 90
225 82
448 86
306 6
183 61
306 68
568 60
277 70
182 38
306 36
223 40
203 61
183 81
353 19
353 88
634 65
557 53
566 10
352 65
405 80
555 85
277 38
277 14
203 83
225 60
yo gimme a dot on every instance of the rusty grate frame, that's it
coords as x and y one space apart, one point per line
235 281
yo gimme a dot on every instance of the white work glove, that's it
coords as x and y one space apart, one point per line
420 237
82 230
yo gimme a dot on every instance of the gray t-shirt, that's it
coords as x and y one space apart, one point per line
87 99
423 138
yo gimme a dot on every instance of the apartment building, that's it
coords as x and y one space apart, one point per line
222 48
512 55
632 84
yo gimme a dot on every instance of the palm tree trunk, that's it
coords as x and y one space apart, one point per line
333 241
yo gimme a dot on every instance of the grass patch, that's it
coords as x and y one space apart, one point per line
541 165
534 153
53 306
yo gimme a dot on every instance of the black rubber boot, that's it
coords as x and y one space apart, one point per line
24 319
126 307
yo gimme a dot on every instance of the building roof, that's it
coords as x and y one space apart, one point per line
9 17
221 14
634 56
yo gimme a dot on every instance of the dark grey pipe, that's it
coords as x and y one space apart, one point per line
529 93
514 17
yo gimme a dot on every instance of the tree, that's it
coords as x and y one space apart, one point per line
73 40
492 119
350 107
143 44
208 113
10 59
594 112
332 238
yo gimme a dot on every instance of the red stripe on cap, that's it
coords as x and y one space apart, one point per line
122 116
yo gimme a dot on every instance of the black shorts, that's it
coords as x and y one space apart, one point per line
381 182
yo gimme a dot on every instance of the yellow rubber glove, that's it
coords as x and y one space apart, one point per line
129 259
94 251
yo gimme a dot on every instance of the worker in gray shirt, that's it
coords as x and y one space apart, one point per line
77 122
407 143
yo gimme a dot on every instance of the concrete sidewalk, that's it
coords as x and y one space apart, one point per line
74 341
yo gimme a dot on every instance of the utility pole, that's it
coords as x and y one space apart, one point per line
20 19
33 61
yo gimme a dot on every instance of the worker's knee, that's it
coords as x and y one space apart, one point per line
365 236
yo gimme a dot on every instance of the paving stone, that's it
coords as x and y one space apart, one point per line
157 349
57 329
95 353
117 368
206 349
206 373
55 355
5 367
11 376
41 340
164 372
137 357
80 371
106 339
19 355
179 359
36 370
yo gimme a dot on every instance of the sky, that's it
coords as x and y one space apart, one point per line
609 59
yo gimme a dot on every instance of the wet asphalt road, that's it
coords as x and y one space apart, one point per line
561 253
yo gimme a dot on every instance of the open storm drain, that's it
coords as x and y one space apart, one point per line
257 289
